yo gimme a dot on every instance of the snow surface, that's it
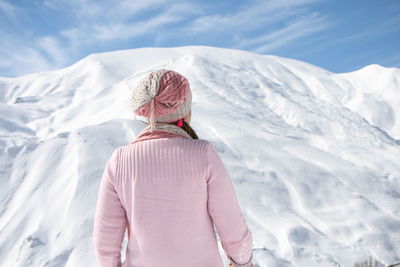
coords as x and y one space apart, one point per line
313 155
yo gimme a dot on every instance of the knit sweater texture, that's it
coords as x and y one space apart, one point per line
168 192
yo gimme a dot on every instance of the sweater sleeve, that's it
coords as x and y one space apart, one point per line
225 211
110 219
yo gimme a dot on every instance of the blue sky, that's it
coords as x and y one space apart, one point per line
338 35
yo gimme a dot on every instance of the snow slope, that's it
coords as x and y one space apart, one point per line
313 155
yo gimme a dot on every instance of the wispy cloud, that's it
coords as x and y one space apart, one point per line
54 51
102 12
103 22
259 14
375 31
292 30
9 11
86 26
16 59
378 28
21 52
131 29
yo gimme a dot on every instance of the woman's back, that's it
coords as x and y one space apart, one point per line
173 190
169 202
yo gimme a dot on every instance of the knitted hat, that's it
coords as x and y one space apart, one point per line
162 96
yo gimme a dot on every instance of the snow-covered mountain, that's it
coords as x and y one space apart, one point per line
314 156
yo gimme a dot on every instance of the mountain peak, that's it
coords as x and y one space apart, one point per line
313 155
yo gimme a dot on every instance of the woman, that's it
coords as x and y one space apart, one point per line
169 189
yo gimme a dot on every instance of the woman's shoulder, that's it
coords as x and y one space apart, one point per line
190 145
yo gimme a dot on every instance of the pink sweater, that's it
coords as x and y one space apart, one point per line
168 191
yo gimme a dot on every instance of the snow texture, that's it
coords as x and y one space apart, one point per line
313 155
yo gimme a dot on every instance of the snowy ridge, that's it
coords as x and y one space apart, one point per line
313 155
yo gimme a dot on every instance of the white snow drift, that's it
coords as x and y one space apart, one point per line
314 156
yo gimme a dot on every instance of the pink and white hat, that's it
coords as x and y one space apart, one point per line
162 96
